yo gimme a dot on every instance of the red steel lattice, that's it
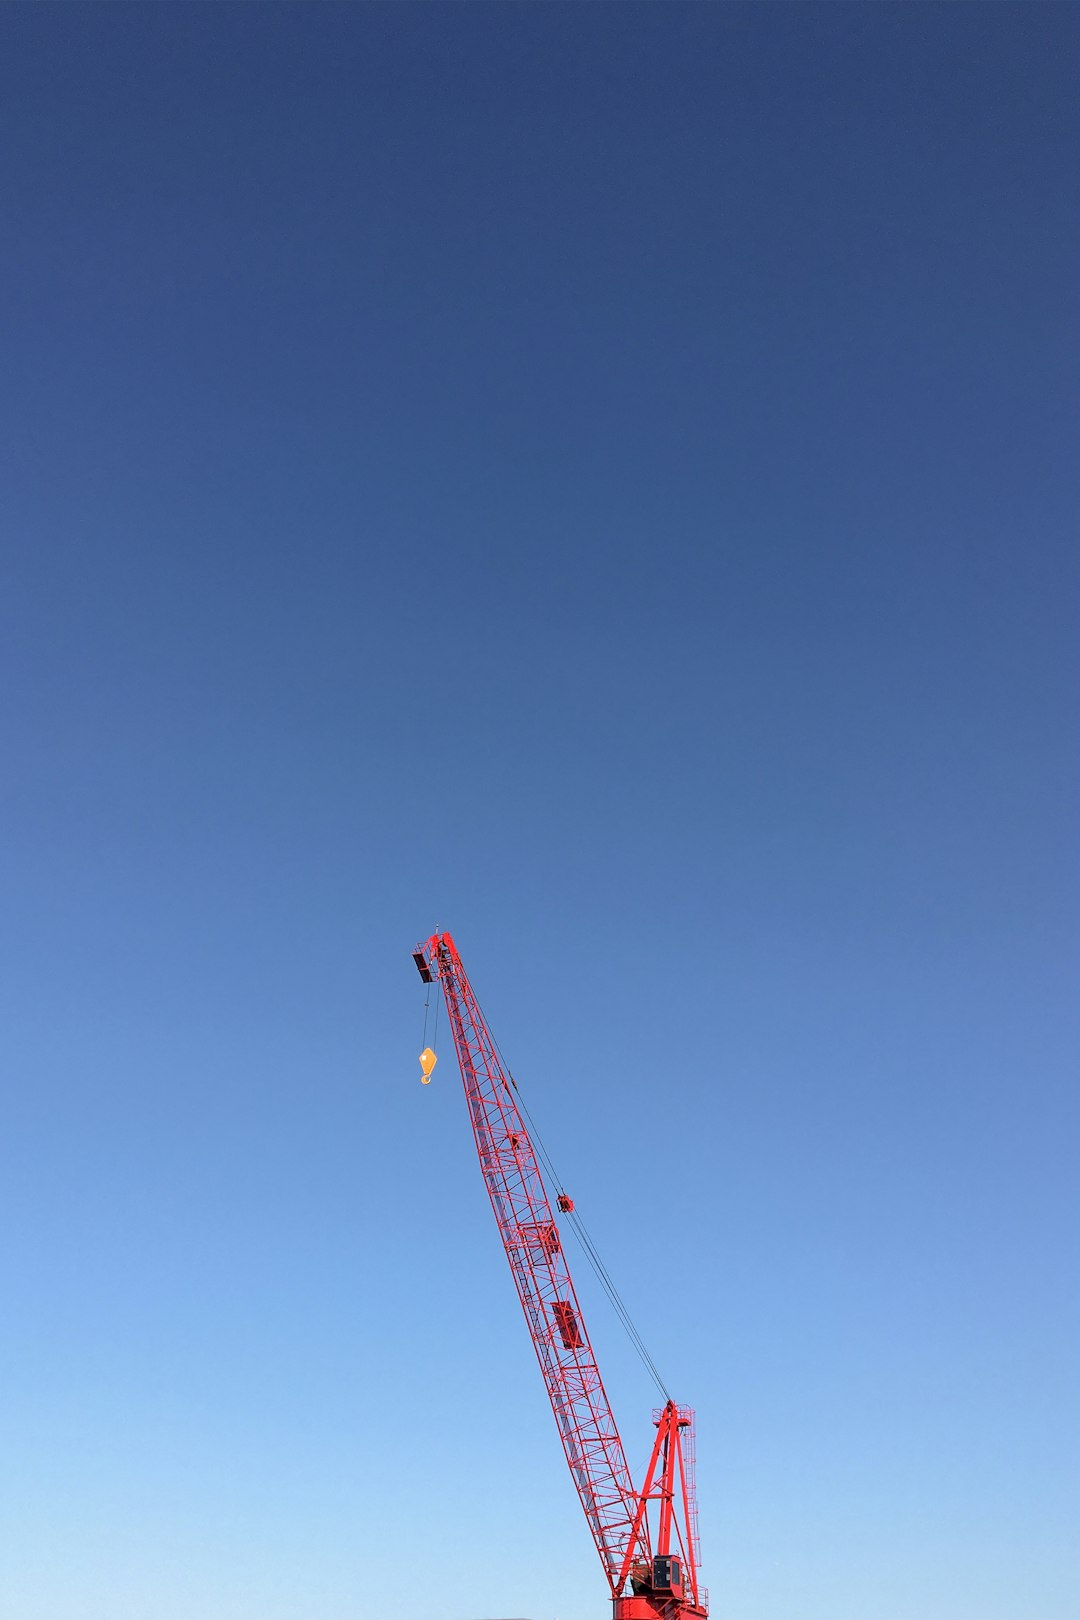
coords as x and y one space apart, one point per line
617 1514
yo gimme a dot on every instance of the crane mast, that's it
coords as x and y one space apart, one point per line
663 1581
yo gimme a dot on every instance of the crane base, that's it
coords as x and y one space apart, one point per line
656 1608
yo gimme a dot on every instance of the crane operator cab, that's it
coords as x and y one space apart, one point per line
664 1578
667 1576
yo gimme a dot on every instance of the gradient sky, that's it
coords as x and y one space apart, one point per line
602 480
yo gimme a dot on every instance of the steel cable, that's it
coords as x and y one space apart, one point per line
580 1231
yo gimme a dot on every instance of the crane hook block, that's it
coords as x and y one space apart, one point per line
428 1061
565 1203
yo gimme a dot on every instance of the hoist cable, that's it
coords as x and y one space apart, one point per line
580 1231
592 1254
601 1270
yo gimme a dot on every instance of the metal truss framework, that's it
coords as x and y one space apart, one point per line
617 1514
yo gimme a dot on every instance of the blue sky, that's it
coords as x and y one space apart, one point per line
602 480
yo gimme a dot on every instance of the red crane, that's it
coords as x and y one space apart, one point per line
661 1573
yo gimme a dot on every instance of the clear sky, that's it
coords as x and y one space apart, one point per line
602 480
